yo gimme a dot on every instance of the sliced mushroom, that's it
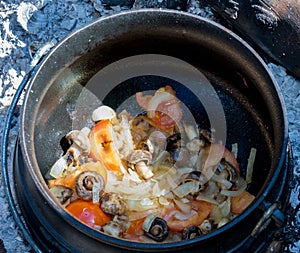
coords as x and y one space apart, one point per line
103 112
80 140
65 144
141 160
174 143
113 228
113 203
191 232
195 145
206 226
146 145
190 131
207 136
227 171
85 184
180 154
63 194
76 148
195 176
156 228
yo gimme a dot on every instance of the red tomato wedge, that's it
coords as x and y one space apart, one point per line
136 227
163 106
240 203
167 114
102 145
215 152
202 209
88 212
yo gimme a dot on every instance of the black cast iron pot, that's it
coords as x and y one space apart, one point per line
104 59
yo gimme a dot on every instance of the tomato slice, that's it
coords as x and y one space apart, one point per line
167 114
215 152
202 209
88 212
240 203
102 145
136 227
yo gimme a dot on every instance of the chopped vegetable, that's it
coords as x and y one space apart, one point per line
70 179
163 108
215 152
200 212
88 212
102 145
241 202
234 149
250 165
186 188
152 178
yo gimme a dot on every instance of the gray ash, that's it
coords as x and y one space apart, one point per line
24 23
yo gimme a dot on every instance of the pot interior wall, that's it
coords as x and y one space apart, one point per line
238 81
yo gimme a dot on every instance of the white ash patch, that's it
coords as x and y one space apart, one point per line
52 21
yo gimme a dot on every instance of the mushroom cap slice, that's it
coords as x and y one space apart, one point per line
85 182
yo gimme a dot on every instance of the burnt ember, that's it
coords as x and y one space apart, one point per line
24 26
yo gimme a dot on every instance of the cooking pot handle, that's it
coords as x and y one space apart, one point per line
272 212
250 244
38 52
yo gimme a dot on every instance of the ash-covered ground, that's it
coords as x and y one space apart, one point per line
27 24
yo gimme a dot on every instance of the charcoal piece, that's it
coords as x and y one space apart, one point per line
68 24
128 3
177 4
168 4
139 4
2 248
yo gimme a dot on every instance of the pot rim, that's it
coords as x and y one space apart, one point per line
41 185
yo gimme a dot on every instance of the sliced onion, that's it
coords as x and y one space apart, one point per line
184 207
222 181
184 216
190 131
186 188
140 215
216 214
171 182
225 207
126 136
158 98
160 158
137 205
250 164
241 184
58 167
96 192
185 170
234 149
163 201
132 190
207 198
